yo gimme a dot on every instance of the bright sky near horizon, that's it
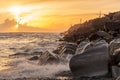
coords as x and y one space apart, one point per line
50 15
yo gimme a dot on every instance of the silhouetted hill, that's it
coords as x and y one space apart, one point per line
105 23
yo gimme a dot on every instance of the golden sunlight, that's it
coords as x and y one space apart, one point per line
17 12
16 26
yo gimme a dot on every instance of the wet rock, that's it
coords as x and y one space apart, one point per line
36 53
92 62
81 46
116 57
27 50
114 44
67 48
48 58
57 50
115 71
34 58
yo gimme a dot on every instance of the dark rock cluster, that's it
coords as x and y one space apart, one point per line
109 23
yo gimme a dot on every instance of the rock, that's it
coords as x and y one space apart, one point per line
116 17
112 25
48 57
68 48
118 78
116 56
115 71
34 58
92 62
36 53
57 50
103 34
114 44
81 46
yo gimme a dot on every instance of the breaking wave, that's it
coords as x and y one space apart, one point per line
22 46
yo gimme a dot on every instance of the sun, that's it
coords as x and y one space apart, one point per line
17 12
16 26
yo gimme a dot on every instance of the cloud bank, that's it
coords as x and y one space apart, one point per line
9 26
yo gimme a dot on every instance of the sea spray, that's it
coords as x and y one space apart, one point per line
19 66
32 70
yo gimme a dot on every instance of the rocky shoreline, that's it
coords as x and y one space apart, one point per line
86 52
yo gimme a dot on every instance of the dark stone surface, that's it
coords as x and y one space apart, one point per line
34 58
81 46
114 45
115 71
92 62
48 58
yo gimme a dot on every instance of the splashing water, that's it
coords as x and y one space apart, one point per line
27 43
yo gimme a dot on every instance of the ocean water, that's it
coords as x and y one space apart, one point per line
26 45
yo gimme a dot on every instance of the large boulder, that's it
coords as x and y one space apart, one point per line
92 62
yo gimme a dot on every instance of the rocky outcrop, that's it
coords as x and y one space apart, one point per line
75 32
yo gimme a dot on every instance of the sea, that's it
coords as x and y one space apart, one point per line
17 48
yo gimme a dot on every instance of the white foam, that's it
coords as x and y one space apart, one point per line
20 67
32 70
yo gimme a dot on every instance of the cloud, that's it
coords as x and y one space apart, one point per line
26 28
9 26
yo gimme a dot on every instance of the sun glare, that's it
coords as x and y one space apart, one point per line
18 13
16 10
16 26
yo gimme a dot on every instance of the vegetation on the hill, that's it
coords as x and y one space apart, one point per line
77 31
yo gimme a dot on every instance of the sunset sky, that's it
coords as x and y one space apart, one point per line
50 15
